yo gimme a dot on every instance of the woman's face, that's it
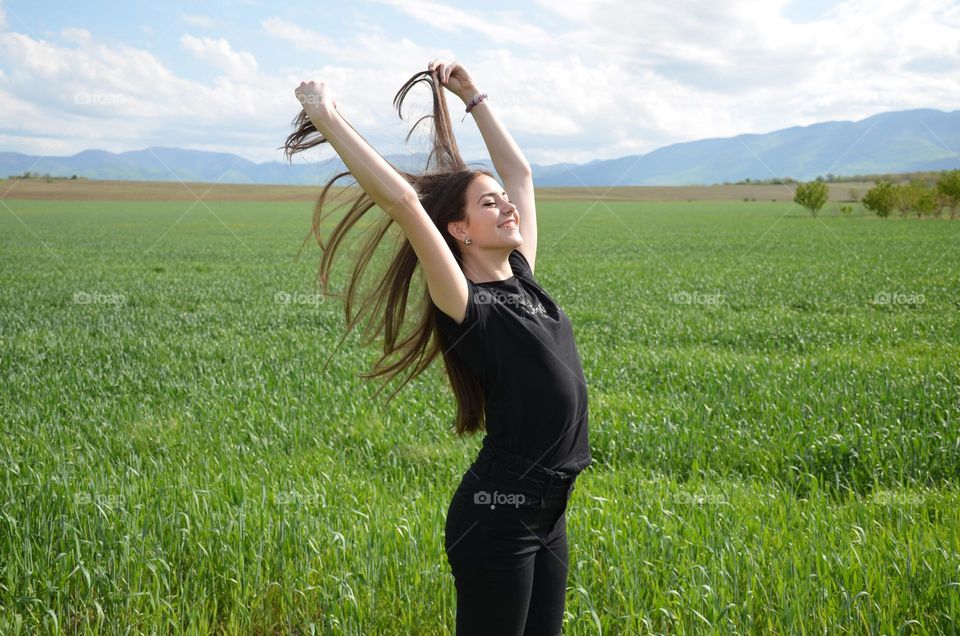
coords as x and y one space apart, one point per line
492 220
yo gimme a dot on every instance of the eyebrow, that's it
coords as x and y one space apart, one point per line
489 194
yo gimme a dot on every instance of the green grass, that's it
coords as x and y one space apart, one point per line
778 455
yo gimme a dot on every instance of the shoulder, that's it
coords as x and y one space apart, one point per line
475 314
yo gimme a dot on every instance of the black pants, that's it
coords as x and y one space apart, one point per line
506 542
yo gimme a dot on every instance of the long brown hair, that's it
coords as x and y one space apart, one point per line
442 190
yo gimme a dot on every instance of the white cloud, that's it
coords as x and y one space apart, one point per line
496 27
574 81
362 88
219 53
695 69
35 57
303 39
573 10
122 98
741 45
565 108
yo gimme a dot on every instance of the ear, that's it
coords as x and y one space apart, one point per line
457 229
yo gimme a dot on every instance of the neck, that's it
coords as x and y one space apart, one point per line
481 266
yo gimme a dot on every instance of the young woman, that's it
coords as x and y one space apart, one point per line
508 349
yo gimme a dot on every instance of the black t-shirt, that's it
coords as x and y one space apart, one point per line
520 344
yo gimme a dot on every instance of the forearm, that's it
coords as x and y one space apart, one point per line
505 154
378 178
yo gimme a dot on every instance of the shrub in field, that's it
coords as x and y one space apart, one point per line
917 197
881 198
811 195
924 198
902 197
948 186
928 202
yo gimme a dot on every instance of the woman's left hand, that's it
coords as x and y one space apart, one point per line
454 77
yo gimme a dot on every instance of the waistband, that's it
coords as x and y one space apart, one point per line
491 455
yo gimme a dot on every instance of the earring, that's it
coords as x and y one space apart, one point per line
466 240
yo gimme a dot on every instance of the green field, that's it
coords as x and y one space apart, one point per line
774 415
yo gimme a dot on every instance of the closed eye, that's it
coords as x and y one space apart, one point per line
505 198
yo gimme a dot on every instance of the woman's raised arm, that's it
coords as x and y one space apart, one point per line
394 195
507 158
379 180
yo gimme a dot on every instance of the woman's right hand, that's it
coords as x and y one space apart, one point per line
316 99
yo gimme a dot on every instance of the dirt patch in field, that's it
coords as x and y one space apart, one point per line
90 189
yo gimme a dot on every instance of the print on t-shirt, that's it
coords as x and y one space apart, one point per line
483 296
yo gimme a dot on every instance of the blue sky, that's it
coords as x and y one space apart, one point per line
571 80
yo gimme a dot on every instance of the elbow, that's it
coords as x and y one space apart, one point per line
408 200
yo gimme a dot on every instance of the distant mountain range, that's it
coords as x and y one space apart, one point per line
904 141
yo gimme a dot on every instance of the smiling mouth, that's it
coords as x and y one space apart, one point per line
510 223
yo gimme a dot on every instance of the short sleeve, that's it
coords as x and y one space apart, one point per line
466 339
520 265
